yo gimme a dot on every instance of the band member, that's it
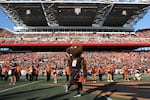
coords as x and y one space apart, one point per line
18 72
31 72
5 72
110 72
93 73
27 73
126 73
48 72
100 72
37 72
13 74
54 74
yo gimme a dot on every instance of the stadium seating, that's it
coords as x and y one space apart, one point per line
97 58
7 37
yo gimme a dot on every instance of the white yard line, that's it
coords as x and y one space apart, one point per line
5 90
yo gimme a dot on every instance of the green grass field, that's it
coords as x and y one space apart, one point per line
42 90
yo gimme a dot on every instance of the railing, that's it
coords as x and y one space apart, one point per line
80 1
73 40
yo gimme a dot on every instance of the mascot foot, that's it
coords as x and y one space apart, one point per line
77 95
66 88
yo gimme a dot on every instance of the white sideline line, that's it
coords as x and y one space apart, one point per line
5 90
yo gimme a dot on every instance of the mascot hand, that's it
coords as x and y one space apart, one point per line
82 79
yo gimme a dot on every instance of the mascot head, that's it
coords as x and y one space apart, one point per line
74 51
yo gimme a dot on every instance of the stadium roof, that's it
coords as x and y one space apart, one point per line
74 15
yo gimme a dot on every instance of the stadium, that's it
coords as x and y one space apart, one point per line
44 29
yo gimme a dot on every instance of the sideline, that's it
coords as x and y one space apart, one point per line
5 90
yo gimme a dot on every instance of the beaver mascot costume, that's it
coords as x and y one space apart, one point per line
77 64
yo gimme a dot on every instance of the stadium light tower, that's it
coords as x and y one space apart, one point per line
28 12
124 13
77 10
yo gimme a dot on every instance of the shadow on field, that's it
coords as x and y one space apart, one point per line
102 89
60 96
29 93
132 90
57 97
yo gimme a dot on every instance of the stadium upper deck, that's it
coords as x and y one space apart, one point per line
59 41
74 15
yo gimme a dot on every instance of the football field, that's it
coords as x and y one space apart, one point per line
42 90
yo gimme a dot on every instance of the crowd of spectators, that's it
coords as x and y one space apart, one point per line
7 37
119 59
130 59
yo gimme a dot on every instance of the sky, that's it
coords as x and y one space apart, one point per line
5 22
